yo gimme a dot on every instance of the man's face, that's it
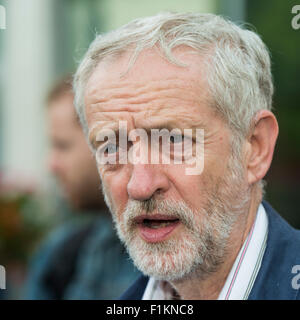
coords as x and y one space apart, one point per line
173 224
70 159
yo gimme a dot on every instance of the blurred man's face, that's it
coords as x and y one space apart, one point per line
70 158
173 224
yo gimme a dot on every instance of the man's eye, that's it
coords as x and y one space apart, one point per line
111 148
176 138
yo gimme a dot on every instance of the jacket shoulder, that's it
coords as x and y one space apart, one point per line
136 290
275 277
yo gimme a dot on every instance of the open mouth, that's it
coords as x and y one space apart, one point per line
156 228
155 224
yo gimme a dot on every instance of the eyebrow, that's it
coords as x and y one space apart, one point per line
169 126
93 132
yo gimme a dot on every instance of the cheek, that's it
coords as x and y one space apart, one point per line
116 188
183 186
192 189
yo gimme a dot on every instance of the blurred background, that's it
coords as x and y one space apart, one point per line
44 40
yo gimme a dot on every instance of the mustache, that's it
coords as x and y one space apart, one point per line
170 208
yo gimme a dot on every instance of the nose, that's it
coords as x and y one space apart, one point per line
145 181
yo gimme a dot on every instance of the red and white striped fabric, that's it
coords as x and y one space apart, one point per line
246 266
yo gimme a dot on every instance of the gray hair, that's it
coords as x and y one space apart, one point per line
239 74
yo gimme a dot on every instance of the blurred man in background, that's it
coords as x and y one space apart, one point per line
70 159
82 259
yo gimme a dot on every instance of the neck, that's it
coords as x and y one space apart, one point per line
210 286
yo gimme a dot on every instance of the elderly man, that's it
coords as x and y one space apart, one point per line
202 234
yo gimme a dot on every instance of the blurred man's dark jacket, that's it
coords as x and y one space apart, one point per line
81 260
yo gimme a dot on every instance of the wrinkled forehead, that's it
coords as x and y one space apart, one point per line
152 93
150 64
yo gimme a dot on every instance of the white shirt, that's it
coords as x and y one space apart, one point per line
243 273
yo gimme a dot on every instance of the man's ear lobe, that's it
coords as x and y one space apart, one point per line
261 143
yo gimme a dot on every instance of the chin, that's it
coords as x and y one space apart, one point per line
170 260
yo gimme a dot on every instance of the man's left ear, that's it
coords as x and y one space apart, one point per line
261 144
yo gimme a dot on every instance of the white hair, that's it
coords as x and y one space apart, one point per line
239 75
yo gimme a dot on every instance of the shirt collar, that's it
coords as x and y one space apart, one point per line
241 278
